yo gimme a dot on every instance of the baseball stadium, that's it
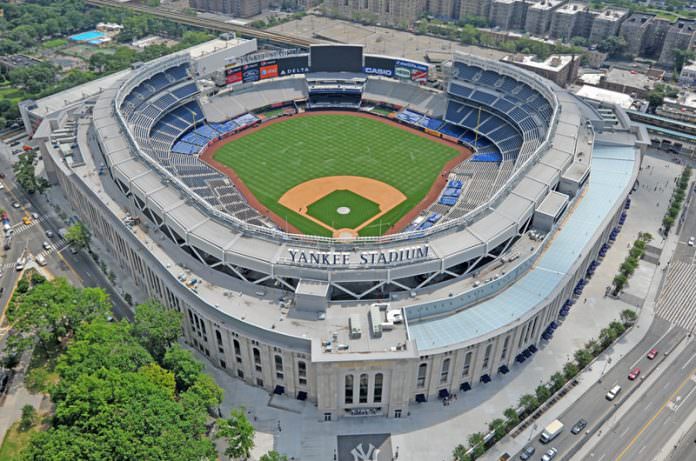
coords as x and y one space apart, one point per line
359 231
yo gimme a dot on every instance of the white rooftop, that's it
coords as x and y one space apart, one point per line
608 96
554 62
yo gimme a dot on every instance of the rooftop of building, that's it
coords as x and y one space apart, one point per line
19 60
629 78
554 62
573 8
546 4
612 14
600 94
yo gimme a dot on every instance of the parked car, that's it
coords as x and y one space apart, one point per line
652 353
691 241
46 246
550 454
634 373
527 452
49 234
579 426
16 205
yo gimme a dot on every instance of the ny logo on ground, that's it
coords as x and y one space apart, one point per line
359 454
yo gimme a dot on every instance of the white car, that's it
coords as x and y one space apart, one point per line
550 454
2 186
691 241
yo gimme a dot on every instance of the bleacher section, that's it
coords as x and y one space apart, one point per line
170 126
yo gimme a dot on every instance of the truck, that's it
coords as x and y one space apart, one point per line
551 431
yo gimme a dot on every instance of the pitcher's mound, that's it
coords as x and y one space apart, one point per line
344 210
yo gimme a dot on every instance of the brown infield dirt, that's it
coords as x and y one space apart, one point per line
208 154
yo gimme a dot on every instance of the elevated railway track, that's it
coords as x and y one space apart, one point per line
206 23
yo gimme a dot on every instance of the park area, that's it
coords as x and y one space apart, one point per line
372 172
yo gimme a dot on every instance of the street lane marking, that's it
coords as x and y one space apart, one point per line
688 361
624 432
654 417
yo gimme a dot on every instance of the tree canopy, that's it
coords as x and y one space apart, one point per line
156 327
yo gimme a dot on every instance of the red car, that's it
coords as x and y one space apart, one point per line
652 354
634 373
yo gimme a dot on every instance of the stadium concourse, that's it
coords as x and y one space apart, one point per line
372 325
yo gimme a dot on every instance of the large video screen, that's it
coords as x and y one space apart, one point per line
336 58
409 70
293 65
377 65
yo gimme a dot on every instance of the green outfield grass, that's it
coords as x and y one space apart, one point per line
326 209
280 156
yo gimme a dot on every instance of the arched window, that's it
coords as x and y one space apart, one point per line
349 389
302 373
237 350
467 364
444 372
422 372
279 366
257 359
363 388
379 381
487 356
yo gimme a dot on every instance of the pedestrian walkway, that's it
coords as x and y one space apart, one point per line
21 226
678 301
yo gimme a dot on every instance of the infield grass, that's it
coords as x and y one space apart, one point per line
282 155
326 209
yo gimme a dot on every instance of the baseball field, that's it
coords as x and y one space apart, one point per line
328 172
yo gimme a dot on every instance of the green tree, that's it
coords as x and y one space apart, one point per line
203 393
557 381
53 310
542 393
156 327
628 316
498 427
583 357
78 236
28 418
476 443
273 456
238 432
461 453
529 403
570 370
512 419
185 367
613 45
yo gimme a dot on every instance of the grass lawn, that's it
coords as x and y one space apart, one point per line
326 209
15 440
13 94
282 155
55 43
271 113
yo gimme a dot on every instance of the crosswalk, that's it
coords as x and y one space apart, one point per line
21 227
677 301
57 245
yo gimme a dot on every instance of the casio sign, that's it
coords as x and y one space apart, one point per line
377 71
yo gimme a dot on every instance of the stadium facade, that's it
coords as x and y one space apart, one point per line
370 325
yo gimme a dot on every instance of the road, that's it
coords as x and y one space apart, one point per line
659 412
593 406
79 268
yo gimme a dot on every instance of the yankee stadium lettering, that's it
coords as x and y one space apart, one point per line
339 258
